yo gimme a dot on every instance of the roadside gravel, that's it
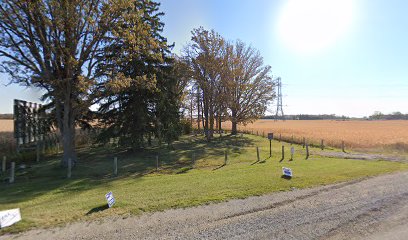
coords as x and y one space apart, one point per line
372 208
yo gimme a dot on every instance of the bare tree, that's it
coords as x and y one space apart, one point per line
248 84
204 55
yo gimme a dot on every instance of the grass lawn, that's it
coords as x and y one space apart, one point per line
46 198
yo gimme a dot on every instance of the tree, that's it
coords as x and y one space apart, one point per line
248 84
141 94
204 56
56 44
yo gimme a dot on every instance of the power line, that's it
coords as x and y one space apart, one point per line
279 109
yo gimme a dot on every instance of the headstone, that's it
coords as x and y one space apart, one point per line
110 199
9 217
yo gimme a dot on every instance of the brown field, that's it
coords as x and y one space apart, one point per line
380 135
7 143
6 125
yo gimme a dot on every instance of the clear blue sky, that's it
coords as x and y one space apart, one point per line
347 57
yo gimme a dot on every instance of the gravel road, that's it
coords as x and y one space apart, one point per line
361 156
372 208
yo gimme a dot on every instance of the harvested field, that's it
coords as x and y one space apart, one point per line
379 135
7 143
6 125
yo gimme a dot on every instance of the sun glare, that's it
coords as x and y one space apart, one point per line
309 26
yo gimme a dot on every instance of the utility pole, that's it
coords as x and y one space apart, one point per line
279 109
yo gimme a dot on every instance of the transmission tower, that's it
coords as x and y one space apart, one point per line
279 109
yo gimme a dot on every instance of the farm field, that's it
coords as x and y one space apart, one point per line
388 136
6 125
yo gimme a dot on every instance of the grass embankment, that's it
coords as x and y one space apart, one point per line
46 198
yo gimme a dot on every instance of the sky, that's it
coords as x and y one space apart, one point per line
343 57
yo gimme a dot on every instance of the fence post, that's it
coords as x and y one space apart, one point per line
342 146
283 152
38 151
3 164
69 168
292 152
257 153
263 133
115 166
157 162
322 145
226 157
307 151
12 171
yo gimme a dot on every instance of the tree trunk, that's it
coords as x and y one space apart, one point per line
68 133
206 122
234 122
219 122
211 115
198 109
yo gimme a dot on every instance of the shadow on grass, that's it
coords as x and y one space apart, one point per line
219 167
98 209
286 177
95 166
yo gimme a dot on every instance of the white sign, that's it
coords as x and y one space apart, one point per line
287 172
110 199
9 217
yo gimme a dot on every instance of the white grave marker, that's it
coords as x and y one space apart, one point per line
110 199
9 217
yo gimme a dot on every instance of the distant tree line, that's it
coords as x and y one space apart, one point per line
6 116
393 116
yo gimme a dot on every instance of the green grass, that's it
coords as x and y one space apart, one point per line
46 198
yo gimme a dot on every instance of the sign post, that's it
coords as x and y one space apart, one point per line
270 137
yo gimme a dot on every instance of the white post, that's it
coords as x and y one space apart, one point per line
292 152
115 166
